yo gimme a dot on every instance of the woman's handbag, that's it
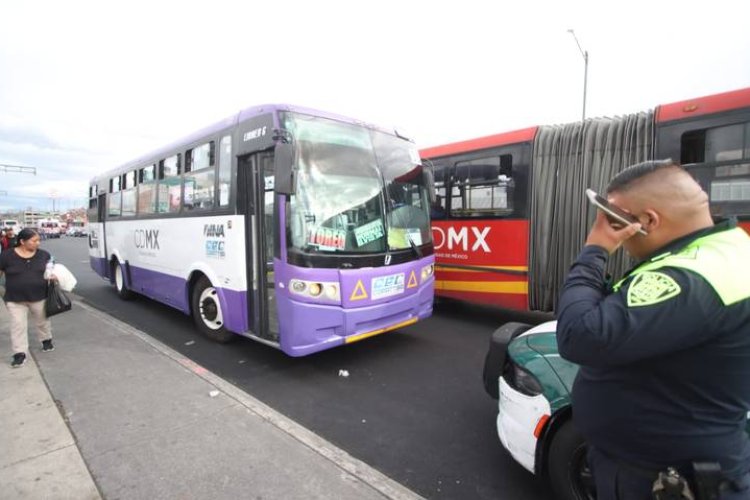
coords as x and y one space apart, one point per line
57 301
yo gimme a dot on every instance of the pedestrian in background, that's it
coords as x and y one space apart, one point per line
665 353
25 292
8 239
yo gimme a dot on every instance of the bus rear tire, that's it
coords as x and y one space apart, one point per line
120 286
568 472
207 313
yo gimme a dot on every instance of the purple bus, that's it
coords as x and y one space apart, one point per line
297 228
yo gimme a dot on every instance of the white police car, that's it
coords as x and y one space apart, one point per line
532 383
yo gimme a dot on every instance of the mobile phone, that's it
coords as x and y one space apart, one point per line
614 213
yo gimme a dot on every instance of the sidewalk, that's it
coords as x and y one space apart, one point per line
142 421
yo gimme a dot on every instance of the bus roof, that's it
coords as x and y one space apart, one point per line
490 141
226 124
735 99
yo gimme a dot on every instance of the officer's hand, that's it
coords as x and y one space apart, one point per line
607 236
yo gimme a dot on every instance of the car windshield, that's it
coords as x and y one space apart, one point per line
358 190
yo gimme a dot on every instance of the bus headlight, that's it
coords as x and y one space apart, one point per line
316 289
332 291
427 271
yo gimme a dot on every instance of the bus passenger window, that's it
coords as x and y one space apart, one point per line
129 194
718 144
200 157
170 186
113 206
721 164
437 210
169 167
129 180
225 169
482 187
147 190
199 190
128 202
114 198
726 143
200 185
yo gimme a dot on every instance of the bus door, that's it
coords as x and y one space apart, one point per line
97 239
255 180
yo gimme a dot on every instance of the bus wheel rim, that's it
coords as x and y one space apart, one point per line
210 310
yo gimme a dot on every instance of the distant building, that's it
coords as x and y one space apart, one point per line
32 218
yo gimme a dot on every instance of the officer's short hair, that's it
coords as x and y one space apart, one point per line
634 172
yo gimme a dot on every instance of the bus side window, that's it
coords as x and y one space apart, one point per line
114 199
170 185
225 170
437 210
483 187
200 178
129 193
719 158
147 190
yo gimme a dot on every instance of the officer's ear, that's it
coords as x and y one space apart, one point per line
650 220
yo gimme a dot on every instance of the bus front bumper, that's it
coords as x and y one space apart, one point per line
336 326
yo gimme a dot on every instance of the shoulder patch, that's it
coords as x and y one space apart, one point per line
650 288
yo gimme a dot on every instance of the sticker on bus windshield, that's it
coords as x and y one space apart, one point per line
415 235
369 232
387 286
327 238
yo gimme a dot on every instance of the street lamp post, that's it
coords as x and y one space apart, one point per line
585 54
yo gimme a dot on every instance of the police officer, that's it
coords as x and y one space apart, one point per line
664 353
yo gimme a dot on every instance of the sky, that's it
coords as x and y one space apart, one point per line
88 85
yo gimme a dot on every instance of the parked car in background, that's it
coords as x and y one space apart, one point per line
76 231
11 224
77 228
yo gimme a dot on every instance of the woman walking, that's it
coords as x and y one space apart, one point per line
25 291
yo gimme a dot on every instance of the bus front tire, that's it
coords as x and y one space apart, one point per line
120 286
568 472
207 313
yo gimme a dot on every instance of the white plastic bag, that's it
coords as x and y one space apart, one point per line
65 278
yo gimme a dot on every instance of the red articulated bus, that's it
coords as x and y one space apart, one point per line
511 214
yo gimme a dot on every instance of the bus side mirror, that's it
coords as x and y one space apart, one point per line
283 167
429 180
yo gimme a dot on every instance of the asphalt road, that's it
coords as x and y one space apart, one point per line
413 405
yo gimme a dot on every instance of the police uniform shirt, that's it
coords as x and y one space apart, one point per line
665 363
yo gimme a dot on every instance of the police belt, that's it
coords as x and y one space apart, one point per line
705 481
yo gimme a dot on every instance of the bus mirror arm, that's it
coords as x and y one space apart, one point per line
283 166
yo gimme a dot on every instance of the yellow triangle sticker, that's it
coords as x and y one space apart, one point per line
359 292
412 280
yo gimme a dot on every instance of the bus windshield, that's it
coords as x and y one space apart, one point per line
358 190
